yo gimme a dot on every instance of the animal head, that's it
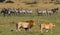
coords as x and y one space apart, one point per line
52 24
32 22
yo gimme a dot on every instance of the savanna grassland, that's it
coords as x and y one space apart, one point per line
8 23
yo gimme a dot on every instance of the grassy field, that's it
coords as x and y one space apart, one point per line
7 23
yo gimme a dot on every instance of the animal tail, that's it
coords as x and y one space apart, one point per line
16 26
40 27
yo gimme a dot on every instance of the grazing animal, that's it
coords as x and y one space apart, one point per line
39 12
49 12
5 11
55 10
29 11
26 25
47 27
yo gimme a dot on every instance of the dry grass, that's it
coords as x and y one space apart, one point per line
20 4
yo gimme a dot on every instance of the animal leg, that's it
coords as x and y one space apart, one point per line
51 31
47 30
19 28
41 30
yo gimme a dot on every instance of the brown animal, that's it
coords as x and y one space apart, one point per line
47 27
26 25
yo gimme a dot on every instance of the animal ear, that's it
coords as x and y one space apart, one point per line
54 24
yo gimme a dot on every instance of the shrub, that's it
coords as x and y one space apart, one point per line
9 2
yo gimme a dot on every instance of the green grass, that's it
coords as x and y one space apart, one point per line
7 24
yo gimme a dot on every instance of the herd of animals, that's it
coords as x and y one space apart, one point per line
27 25
19 11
